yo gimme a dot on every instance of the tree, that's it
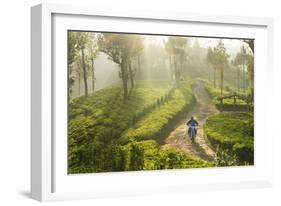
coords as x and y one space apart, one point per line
237 66
72 54
121 49
237 62
93 51
176 48
250 43
169 50
82 40
136 46
251 75
77 65
72 47
242 59
221 61
212 62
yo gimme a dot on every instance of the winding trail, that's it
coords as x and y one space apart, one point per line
202 109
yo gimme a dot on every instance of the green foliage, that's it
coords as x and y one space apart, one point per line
226 157
244 63
142 155
102 137
152 157
72 47
136 157
157 122
121 127
115 158
215 93
97 120
96 156
171 157
220 55
233 132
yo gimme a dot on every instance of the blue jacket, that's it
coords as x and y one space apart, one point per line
192 122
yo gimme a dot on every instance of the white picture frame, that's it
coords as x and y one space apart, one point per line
49 180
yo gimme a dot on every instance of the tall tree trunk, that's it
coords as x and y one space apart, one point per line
124 75
84 73
221 71
215 77
171 67
176 73
131 73
139 66
79 84
181 69
251 77
93 75
209 77
237 80
244 80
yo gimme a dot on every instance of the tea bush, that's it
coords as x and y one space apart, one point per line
106 134
159 122
233 132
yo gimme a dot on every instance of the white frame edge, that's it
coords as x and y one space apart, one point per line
36 56
40 95
41 76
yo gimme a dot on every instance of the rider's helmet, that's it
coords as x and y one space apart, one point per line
192 118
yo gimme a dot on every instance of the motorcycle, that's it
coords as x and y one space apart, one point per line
192 131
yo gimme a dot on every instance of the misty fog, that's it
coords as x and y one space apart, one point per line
154 63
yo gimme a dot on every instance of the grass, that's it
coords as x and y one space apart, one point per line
216 92
233 131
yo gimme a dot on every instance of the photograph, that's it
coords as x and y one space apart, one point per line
140 102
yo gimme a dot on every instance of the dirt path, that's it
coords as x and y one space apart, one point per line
201 110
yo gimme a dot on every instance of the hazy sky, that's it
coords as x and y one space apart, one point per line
232 45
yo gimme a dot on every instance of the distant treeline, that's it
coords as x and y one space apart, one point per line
141 57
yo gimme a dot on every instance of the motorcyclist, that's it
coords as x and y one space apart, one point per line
191 123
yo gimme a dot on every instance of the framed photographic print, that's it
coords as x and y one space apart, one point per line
134 102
